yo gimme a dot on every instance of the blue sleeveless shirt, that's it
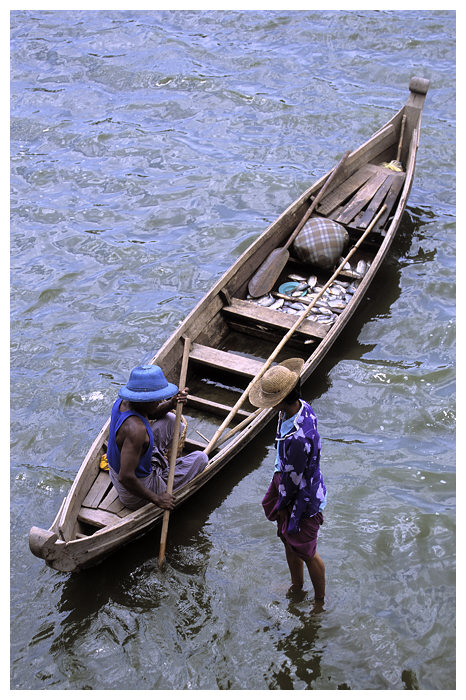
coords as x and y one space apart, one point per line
113 453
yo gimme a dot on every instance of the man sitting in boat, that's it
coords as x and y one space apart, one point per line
140 435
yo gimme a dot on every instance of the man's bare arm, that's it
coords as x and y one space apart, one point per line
134 444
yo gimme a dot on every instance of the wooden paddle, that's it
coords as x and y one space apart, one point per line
288 335
174 449
265 277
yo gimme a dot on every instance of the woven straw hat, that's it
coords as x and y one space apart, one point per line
276 383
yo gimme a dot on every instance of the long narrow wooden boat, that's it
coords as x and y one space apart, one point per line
232 337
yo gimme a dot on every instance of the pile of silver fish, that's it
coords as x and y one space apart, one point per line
303 291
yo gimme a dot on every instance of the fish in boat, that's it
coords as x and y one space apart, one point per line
267 300
361 267
231 338
296 278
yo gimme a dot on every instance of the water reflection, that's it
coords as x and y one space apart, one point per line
414 225
301 647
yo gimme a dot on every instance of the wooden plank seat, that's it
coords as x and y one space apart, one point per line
98 518
249 311
214 407
192 444
219 359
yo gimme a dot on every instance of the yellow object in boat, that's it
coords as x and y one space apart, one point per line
394 165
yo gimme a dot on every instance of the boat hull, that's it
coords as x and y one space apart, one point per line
68 545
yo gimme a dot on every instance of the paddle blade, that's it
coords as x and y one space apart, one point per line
264 279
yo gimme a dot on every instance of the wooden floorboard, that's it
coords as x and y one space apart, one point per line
115 507
391 199
109 499
345 190
98 490
374 205
363 196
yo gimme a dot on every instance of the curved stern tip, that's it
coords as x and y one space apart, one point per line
40 541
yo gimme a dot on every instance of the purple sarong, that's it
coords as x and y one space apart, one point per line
304 542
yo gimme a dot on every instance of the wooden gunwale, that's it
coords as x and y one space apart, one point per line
68 554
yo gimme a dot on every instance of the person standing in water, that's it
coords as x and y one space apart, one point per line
296 495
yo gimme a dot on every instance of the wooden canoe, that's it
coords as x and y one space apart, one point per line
232 338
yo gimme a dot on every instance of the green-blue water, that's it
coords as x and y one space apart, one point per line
148 149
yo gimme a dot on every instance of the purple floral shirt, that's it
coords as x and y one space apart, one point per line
301 487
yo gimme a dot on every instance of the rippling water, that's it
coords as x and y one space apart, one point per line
148 149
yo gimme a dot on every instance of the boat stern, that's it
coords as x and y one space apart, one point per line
46 545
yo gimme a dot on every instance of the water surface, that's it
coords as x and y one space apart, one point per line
148 150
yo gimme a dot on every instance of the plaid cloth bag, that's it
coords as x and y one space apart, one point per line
320 242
